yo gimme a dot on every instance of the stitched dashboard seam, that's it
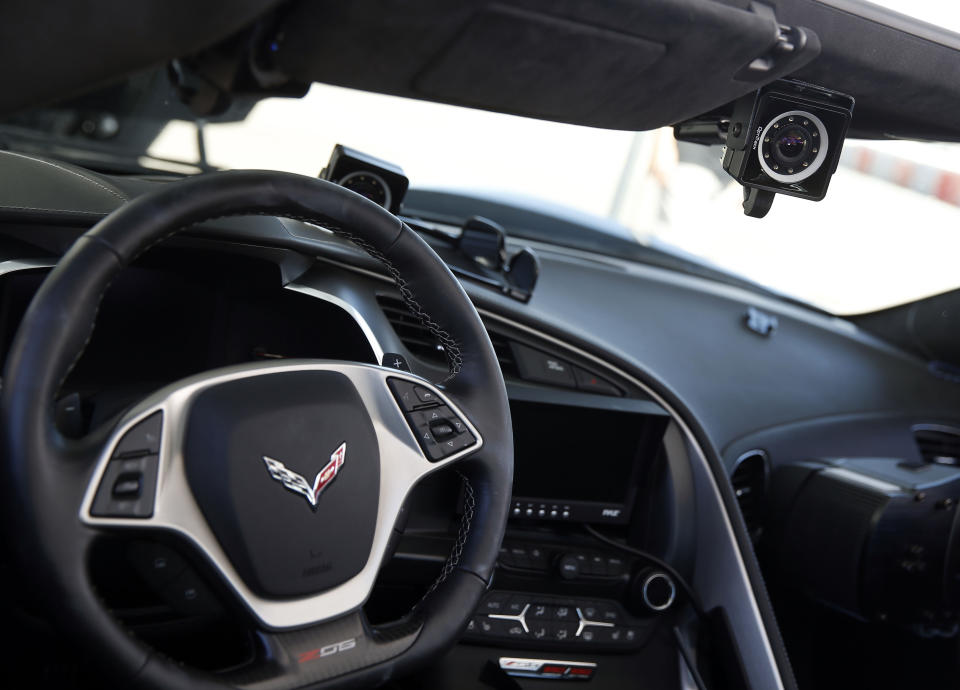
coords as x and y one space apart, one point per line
101 214
92 181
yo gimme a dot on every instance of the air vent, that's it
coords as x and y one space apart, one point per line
938 445
413 334
749 480
508 364
421 343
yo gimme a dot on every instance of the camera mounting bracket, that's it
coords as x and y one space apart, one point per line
757 202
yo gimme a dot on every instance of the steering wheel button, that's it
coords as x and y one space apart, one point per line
425 395
127 486
442 430
435 430
157 564
449 446
395 360
436 414
434 451
403 392
142 439
115 496
189 596
461 441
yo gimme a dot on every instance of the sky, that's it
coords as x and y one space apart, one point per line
945 13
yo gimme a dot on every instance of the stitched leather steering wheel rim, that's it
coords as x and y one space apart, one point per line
53 480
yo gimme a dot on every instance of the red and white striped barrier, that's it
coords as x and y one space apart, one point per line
903 172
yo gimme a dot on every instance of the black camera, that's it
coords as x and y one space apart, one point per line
786 139
878 538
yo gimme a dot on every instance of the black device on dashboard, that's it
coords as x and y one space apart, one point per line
579 464
876 537
382 182
786 138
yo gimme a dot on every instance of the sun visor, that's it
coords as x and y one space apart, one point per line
618 65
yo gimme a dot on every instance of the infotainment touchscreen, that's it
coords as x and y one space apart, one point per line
579 463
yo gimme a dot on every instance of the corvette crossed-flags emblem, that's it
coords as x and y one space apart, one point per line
298 484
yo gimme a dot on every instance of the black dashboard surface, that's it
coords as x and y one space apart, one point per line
690 334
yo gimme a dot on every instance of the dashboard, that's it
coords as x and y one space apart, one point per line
628 420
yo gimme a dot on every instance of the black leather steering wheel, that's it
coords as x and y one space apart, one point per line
217 458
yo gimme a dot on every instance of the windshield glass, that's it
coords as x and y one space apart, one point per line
937 12
886 233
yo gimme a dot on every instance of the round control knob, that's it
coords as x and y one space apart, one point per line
658 591
569 567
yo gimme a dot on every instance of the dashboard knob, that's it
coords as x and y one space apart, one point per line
658 591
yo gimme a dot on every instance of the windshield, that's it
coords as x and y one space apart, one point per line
886 233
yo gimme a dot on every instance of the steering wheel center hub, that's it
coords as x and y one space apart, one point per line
286 469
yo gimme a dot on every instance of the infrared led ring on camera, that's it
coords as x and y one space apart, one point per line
793 146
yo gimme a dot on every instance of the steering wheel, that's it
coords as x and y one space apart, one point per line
287 478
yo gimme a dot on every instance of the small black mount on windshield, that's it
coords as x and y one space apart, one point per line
479 252
785 138
484 243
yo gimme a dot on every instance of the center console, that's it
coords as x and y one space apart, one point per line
578 460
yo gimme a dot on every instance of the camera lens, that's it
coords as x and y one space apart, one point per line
792 143
792 146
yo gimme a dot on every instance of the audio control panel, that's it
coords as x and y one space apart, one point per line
573 564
